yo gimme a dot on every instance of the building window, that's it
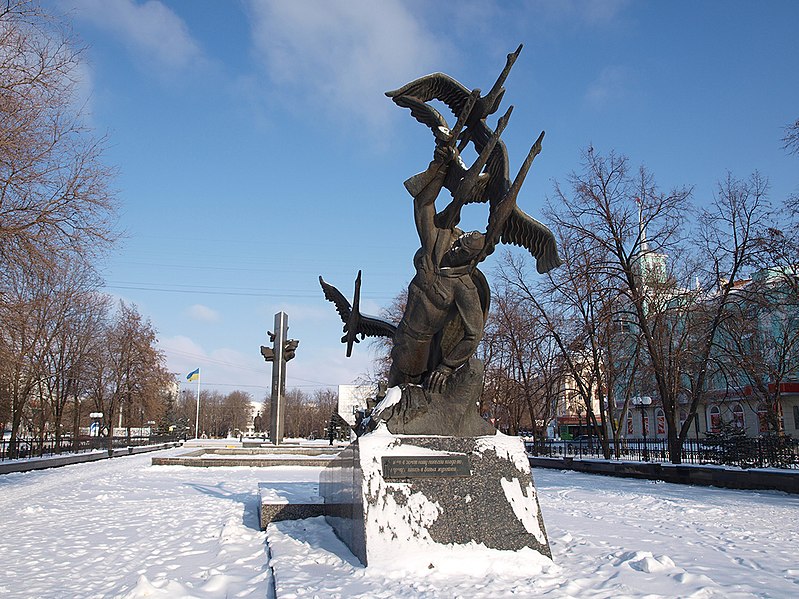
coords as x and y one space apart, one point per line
738 420
715 419
646 424
660 421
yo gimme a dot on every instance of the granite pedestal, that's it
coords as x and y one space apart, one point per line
393 497
288 501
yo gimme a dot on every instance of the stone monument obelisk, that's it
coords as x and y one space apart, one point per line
282 350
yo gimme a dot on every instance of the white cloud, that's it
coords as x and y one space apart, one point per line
321 311
183 346
328 367
236 359
586 12
341 56
222 368
149 29
182 354
613 84
202 313
83 90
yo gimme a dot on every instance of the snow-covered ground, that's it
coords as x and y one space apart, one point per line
124 528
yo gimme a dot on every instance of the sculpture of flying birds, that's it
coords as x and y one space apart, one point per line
507 222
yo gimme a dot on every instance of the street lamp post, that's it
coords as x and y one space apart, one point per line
641 403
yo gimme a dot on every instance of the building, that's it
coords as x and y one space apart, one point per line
353 398
753 372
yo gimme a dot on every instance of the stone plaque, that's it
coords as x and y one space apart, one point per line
427 466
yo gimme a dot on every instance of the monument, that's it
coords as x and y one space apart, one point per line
282 350
427 470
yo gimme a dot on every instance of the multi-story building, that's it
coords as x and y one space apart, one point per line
753 371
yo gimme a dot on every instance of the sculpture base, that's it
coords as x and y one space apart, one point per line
400 499
413 410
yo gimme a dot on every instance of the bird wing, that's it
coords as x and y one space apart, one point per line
422 112
437 86
375 327
523 230
454 178
334 295
496 166
368 326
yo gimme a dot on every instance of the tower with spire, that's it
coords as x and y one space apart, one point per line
650 265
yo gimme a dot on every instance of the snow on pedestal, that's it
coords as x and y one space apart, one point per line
405 499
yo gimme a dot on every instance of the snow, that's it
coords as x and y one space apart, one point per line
523 507
297 493
398 523
506 447
259 456
123 528
392 398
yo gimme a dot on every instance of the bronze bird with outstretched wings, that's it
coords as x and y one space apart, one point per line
455 95
355 323
507 222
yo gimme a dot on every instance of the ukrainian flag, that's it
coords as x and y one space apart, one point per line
193 375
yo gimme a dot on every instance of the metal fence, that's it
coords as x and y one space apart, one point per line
34 447
749 452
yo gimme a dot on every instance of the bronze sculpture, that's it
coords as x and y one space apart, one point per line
448 298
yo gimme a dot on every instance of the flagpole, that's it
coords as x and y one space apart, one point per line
197 420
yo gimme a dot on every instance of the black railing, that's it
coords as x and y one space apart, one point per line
34 447
751 452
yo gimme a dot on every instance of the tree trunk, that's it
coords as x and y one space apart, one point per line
675 445
76 426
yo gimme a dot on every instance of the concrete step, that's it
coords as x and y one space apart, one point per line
288 501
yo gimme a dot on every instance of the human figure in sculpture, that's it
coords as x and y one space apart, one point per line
447 299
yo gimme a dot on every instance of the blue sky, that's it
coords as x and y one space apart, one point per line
256 149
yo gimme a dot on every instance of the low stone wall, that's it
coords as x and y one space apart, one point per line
206 457
691 474
76 458
210 461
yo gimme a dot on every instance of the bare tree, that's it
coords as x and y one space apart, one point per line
211 414
137 372
306 415
27 315
580 308
76 320
237 406
759 344
731 237
56 208
523 370
790 141
676 322
759 348
54 194
627 227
